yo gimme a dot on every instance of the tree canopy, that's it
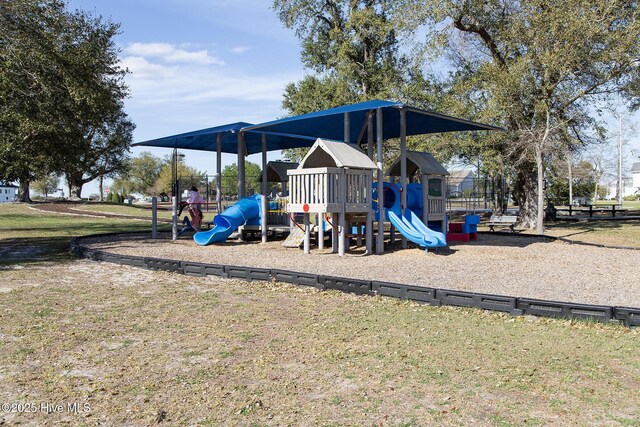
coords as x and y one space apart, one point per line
61 89
537 67
230 178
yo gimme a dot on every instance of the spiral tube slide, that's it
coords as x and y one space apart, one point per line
247 209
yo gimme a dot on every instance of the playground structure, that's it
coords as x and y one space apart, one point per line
334 178
361 124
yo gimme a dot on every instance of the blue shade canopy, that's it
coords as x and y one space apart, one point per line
207 140
303 130
330 123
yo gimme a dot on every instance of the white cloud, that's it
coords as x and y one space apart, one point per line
169 97
239 49
171 53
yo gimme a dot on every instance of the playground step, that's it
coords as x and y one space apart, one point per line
295 238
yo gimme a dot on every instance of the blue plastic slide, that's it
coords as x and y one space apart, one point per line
246 210
411 227
421 226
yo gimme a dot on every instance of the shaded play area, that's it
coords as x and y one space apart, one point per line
343 201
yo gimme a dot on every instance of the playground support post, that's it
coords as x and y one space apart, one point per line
370 135
342 227
241 172
154 217
379 140
174 196
369 224
425 198
307 234
392 229
263 218
174 217
320 222
219 174
403 167
334 233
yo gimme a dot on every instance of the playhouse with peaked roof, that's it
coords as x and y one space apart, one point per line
334 178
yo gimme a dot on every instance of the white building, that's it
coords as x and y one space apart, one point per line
635 184
8 192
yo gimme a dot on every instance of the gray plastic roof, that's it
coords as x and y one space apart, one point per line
419 161
328 153
277 171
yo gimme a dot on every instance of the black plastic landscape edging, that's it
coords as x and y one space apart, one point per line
628 316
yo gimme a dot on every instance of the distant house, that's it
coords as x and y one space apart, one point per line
8 192
460 181
630 185
635 179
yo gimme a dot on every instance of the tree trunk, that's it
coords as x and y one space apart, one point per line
540 190
24 191
525 194
101 188
75 183
75 191
499 205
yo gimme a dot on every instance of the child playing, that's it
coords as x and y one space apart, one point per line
194 201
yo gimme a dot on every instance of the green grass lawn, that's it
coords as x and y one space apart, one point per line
141 347
612 233
626 204
28 235
124 209
138 345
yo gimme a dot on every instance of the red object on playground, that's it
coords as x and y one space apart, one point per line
305 207
458 237
455 227
464 231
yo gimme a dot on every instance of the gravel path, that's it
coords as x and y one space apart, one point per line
503 265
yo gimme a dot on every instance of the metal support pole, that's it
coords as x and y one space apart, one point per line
403 166
241 173
342 233
263 218
370 134
154 217
320 223
369 223
219 175
392 229
425 198
342 228
334 233
381 217
174 217
347 127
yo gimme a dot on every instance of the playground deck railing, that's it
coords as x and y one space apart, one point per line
324 189
436 207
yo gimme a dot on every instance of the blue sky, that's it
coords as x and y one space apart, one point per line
200 63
